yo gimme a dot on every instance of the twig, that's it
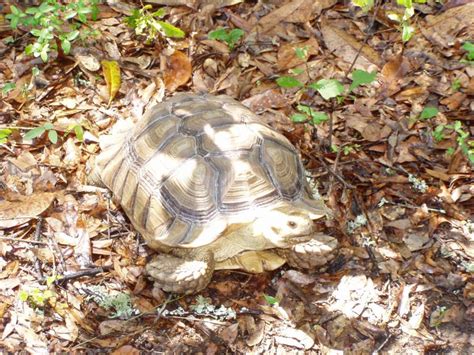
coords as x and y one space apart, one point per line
23 240
87 272
37 237
366 38
341 179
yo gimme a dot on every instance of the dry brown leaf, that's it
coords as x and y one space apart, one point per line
392 72
88 62
287 56
443 29
272 98
14 213
454 101
295 11
178 70
126 350
347 47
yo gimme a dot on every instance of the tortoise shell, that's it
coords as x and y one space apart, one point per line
196 164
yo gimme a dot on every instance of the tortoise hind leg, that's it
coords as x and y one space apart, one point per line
182 274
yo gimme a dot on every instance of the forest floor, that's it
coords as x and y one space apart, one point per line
384 128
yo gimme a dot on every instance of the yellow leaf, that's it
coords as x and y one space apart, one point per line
111 71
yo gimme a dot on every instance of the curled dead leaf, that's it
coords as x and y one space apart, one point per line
14 213
178 70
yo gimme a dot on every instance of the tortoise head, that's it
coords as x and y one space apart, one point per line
285 226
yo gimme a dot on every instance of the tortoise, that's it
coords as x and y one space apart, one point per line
211 187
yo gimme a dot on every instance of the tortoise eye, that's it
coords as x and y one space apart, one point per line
291 224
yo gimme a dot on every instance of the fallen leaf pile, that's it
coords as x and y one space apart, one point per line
72 267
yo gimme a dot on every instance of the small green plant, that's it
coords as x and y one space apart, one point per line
271 300
306 113
469 48
346 149
38 131
428 112
147 23
365 5
4 134
327 88
456 85
78 131
462 138
404 20
231 37
39 298
55 26
118 302
7 88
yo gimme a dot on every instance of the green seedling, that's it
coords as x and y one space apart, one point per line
54 25
7 88
38 131
231 37
428 112
306 113
271 300
346 149
4 134
361 77
456 85
469 48
462 138
78 131
147 23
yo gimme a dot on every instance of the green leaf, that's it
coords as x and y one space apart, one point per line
71 36
407 32
8 87
299 117
48 126
44 53
53 136
4 134
428 112
302 52
79 132
328 88
365 5
270 299
158 13
469 48
219 34
171 31
319 117
361 77
35 132
288 82
234 37
23 295
14 10
66 46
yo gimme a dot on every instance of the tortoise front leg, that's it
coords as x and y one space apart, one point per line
182 274
309 255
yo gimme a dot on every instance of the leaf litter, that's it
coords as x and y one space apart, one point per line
72 267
